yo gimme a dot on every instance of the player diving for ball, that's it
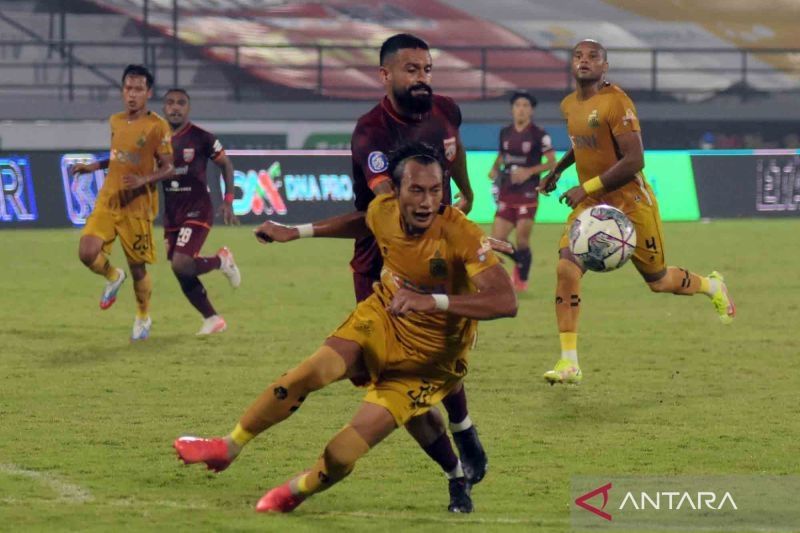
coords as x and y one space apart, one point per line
410 337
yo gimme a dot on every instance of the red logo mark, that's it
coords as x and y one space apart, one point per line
581 501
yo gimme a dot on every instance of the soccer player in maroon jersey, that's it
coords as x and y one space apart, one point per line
409 112
516 175
188 211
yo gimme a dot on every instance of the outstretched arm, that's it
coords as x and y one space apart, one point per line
549 182
350 226
495 298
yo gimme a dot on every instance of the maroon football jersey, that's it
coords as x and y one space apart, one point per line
525 149
186 193
379 132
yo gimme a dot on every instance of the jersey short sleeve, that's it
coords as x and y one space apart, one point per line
215 148
622 115
547 143
450 110
370 154
164 134
471 246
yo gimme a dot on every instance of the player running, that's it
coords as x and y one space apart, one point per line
516 175
411 112
411 336
188 212
607 150
141 155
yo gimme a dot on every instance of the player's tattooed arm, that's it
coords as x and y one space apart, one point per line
549 182
465 196
349 226
166 169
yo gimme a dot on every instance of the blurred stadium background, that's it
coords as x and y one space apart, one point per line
296 74
281 83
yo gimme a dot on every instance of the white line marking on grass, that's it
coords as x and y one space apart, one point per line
460 519
68 492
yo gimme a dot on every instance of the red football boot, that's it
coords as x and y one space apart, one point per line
279 500
212 452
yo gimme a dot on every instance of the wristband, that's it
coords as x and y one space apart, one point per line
442 301
228 198
305 230
593 186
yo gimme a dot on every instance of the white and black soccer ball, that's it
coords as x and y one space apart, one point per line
602 238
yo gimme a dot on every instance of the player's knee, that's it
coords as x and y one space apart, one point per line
568 270
138 271
182 265
87 256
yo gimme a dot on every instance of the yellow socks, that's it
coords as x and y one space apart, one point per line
569 345
241 436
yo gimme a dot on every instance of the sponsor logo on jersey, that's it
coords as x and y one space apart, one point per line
594 119
526 147
629 117
188 155
450 148
377 162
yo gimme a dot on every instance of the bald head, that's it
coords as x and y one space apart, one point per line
597 45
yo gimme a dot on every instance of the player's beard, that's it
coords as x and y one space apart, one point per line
414 104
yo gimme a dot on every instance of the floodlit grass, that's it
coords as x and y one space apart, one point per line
87 419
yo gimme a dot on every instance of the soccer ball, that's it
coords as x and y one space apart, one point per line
602 238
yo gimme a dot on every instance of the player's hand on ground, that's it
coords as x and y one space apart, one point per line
274 232
81 168
406 301
133 181
548 183
501 246
463 203
519 175
226 212
574 196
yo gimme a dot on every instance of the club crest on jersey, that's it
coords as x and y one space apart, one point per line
526 147
438 266
377 162
594 120
505 145
450 148
188 154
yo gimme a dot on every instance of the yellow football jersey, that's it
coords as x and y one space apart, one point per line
441 260
134 146
592 125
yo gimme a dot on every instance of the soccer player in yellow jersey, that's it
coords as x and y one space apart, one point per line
607 151
141 155
411 336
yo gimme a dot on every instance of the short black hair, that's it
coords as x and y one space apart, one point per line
401 41
595 42
178 90
138 70
418 151
522 94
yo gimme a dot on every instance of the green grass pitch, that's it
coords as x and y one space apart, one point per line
87 419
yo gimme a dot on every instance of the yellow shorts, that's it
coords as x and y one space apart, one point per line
404 381
649 254
135 234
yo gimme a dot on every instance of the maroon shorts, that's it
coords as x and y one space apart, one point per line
187 239
515 213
